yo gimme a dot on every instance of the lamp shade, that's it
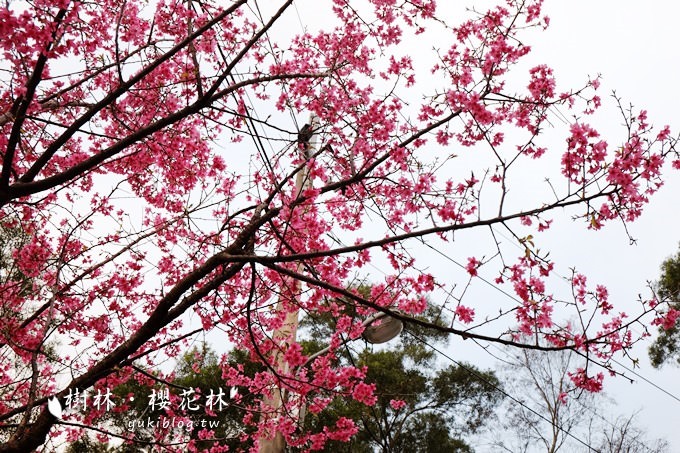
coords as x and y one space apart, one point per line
382 329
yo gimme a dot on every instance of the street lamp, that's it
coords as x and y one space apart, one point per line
382 328
286 333
378 328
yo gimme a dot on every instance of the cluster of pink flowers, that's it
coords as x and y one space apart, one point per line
151 201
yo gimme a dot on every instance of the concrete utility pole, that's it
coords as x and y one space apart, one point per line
287 333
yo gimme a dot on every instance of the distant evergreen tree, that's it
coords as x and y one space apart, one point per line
442 403
197 369
667 345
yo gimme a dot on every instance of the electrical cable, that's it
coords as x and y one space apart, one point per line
577 400
335 238
658 387
506 394
486 281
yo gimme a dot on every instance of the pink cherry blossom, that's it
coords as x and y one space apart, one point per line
159 186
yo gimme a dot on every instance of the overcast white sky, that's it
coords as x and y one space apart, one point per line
633 45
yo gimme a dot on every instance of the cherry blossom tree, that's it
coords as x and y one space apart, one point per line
155 157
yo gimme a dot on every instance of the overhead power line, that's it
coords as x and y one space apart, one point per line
506 394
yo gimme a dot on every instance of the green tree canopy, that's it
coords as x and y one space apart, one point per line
198 370
666 347
421 405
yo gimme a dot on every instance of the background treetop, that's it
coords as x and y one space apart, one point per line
665 347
